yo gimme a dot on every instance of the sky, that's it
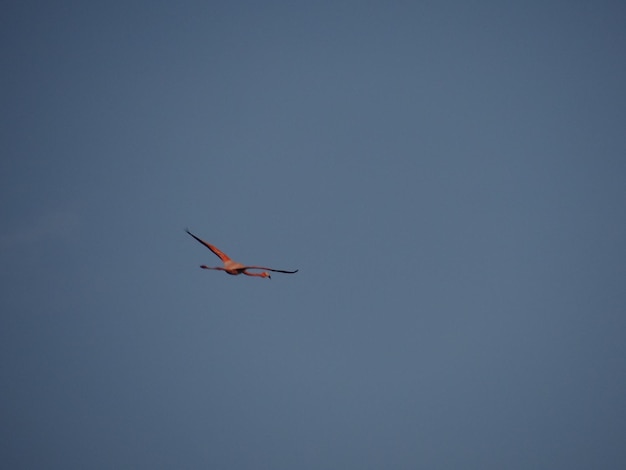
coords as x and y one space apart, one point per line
448 177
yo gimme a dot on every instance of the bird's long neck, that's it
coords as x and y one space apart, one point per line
263 274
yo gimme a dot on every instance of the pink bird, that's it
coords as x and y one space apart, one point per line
233 267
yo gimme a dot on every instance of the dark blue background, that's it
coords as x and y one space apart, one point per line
448 176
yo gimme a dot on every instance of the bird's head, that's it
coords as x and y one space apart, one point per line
267 275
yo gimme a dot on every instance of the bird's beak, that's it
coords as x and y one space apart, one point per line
269 277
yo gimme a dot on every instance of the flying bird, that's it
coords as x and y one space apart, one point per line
233 267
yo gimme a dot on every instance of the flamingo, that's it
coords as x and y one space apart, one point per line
233 267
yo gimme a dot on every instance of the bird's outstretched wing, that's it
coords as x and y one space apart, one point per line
273 270
214 249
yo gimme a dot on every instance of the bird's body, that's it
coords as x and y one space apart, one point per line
233 267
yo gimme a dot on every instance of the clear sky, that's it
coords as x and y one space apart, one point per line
448 176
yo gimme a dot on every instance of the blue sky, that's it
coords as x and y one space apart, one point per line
447 176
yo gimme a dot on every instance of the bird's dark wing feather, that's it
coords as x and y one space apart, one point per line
273 270
213 248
